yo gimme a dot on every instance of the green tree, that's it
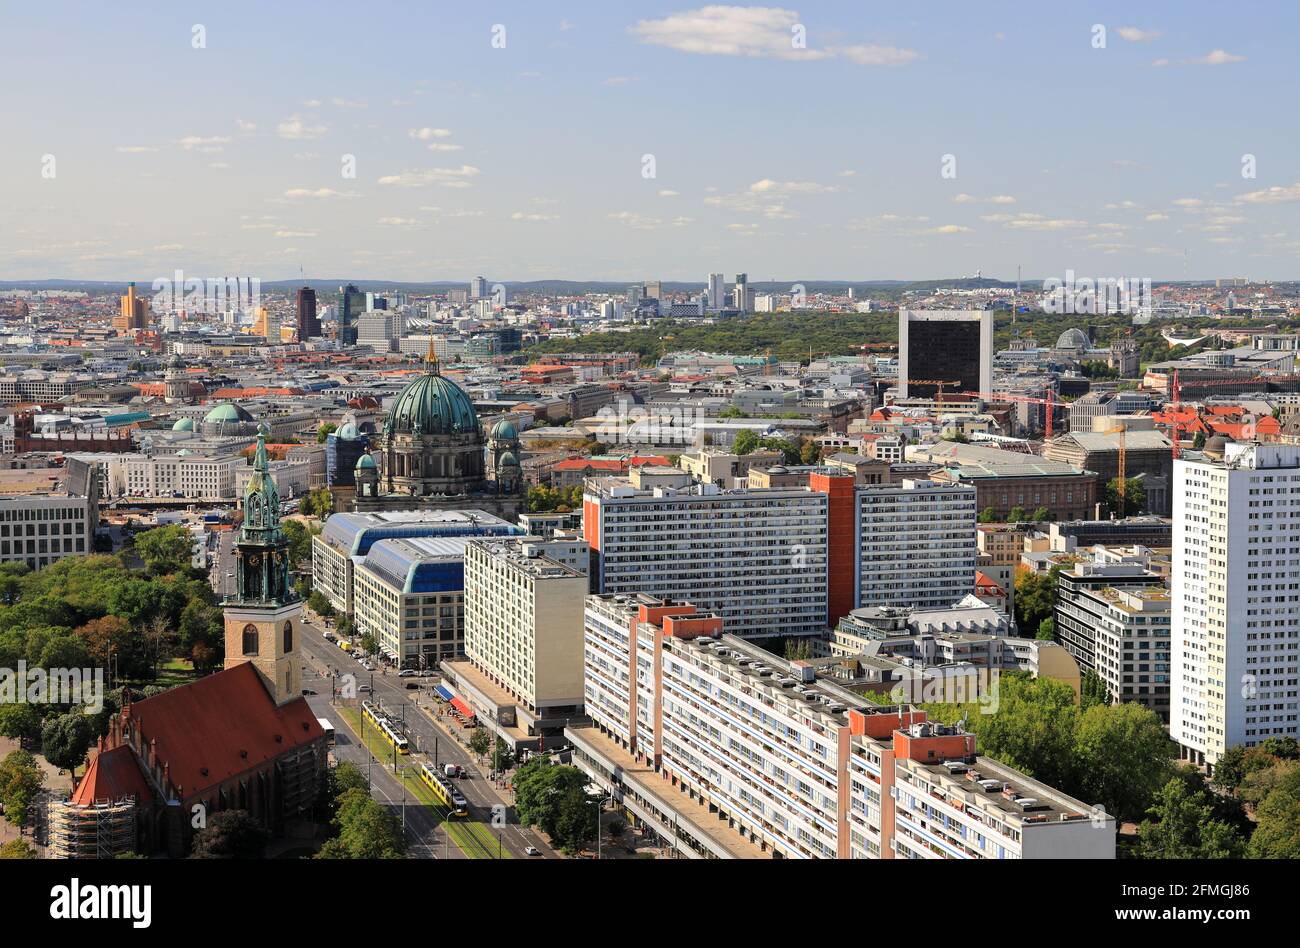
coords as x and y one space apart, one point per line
369 644
747 442
810 453
318 604
1041 515
1047 630
1016 515
20 780
988 515
11 581
1277 835
17 849
324 431
164 549
1093 690
299 536
65 740
230 834
21 721
1035 597
1123 754
503 756
480 742
1135 496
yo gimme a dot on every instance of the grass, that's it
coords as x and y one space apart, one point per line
471 836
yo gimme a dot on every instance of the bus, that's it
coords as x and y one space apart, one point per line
385 727
445 791
328 729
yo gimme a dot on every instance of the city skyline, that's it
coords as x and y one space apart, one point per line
821 161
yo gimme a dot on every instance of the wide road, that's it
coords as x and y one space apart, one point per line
426 737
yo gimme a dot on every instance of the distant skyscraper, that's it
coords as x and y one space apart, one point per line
654 290
134 314
308 323
717 291
478 288
742 297
948 350
352 303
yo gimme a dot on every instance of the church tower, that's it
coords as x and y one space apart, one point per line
263 620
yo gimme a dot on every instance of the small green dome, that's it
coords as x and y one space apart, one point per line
365 463
349 432
183 424
505 430
508 459
227 412
184 453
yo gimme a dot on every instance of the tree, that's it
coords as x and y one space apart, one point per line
988 515
1093 690
1047 630
1277 835
20 781
317 503
1035 597
480 742
1016 515
365 829
503 756
230 834
324 431
21 721
1198 442
201 631
318 604
1123 753
1032 728
17 849
1135 496
65 740
810 453
299 536
746 442
164 549
1041 515
369 644
11 581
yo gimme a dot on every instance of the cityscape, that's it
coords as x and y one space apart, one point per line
497 450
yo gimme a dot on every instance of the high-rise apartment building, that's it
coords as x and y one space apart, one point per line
728 751
1236 598
944 350
308 323
755 557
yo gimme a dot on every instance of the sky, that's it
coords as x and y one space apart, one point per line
643 140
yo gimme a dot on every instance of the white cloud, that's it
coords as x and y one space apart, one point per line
528 216
1135 35
426 177
1216 58
282 234
398 221
1188 202
666 193
1039 222
319 193
754 32
294 128
972 199
1273 195
245 126
949 229
199 143
442 146
635 220
1157 216
428 134
768 186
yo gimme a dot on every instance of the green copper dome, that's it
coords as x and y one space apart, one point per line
505 430
184 424
348 432
227 412
365 462
432 404
509 460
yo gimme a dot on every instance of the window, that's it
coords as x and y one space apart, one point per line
250 639
288 637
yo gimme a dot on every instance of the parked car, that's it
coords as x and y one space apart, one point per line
407 673
532 851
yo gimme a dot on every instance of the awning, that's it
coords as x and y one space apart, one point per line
462 707
445 693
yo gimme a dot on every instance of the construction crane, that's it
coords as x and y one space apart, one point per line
1007 397
940 385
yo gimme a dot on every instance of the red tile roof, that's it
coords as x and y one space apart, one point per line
221 726
112 775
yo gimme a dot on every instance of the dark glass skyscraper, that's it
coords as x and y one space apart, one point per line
352 303
308 323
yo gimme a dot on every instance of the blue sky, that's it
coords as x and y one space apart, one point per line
526 161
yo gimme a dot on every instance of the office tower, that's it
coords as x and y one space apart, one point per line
1114 619
916 544
380 329
634 294
375 302
262 325
1234 579
134 313
728 751
743 299
755 557
478 288
654 290
308 323
352 303
717 292
947 351
523 628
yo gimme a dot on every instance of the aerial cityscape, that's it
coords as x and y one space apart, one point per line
631 432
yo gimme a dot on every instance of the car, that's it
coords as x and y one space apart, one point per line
532 851
364 688
412 685
308 692
407 673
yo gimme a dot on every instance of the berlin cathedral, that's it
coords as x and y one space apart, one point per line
435 456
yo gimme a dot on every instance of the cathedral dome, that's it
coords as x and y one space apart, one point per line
348 432
365 462
434 405
505 430
509 460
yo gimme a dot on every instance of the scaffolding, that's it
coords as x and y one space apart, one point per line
104 829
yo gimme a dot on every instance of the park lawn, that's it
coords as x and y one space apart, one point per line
472 837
